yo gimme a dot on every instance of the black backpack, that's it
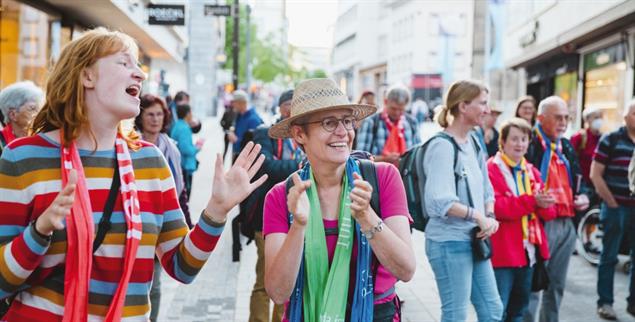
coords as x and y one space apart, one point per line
414 178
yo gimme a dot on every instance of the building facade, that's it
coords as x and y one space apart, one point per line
579 50
34 32
423 44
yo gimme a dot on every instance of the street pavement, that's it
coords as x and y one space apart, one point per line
221 290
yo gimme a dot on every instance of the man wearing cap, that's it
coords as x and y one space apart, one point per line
586 140
247 119
283 157
391 132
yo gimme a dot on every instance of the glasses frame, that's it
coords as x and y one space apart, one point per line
339 121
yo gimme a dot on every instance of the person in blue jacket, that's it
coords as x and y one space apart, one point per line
247 119
181 132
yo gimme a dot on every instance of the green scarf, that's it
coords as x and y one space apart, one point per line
326 291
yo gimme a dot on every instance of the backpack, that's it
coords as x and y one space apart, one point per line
414 178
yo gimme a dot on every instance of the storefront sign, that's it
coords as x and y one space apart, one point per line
218 10
166 14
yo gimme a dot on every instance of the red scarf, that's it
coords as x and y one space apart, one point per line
7 133
396 141
80 235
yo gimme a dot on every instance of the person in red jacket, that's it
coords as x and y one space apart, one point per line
520 205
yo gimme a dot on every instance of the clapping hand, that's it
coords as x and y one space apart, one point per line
53 217
233 186
360 198
298 201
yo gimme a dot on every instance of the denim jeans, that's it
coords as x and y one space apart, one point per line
460 279
514 287
615 223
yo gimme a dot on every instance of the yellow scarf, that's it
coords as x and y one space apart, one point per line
523 187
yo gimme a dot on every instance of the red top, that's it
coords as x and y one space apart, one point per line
585 153
508 249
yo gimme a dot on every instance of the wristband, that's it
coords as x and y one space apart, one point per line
470 214
45 237
369 234
217 223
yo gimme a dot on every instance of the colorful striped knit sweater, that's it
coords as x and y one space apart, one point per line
30 178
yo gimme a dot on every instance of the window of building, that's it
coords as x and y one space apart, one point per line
24 43
605 83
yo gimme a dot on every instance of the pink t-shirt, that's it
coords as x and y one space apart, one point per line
392 201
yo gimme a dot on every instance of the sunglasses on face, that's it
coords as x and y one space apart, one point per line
329 124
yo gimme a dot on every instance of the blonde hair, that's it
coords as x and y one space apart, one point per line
65 106
458 92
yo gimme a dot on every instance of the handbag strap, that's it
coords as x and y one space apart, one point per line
104 223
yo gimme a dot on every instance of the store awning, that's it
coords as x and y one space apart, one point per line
112 15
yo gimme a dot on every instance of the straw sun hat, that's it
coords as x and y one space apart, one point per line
317 95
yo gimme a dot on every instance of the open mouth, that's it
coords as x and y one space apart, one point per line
133 90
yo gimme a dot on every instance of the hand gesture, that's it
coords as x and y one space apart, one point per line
233 186
544 199
581 202
360 198
298 201
392 157
53 217
488 226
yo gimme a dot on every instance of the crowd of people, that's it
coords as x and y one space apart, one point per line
92 213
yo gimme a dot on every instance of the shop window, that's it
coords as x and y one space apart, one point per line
605 84
24 44
566 86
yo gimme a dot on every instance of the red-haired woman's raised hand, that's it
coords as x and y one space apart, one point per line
234 185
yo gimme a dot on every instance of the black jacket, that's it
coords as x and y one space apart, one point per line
535 153
228 119
277 170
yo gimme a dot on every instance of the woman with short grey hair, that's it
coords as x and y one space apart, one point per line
19 103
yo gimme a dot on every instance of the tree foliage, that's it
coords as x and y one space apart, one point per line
269 60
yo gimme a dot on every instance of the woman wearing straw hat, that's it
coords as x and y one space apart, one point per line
322 236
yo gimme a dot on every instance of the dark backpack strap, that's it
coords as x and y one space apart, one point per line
104 224
455 148
369 173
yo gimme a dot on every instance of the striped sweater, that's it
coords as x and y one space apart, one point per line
33 268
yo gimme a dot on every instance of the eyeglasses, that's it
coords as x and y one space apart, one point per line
29 107
329 124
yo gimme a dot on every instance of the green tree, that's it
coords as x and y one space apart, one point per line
242 42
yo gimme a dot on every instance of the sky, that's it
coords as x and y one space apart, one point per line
311 22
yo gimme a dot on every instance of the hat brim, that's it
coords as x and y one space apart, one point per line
282 129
